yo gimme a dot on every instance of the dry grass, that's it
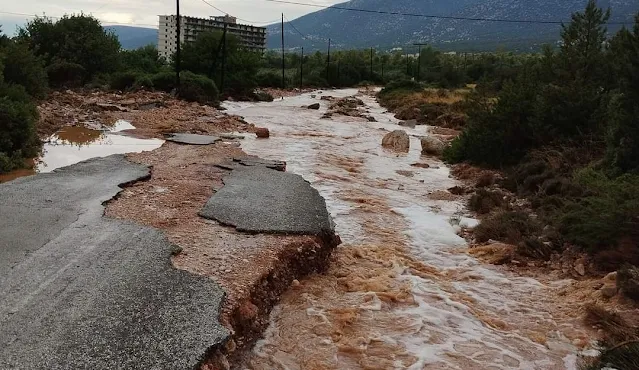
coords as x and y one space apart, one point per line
621 340
616 329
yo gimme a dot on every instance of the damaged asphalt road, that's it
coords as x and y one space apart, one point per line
258 199
83 291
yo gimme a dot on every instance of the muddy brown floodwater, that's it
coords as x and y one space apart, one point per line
402 292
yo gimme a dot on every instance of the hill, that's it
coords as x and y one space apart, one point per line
348 29
134 37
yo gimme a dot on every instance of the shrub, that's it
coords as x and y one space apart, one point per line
269 79
197 88
22 67
605 214
143 82
508 226
164 81
65 74
18 138
402 85
263 96
123 80
484 201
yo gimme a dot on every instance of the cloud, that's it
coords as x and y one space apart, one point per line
145 12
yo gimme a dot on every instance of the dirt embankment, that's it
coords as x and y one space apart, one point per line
152 113
511 234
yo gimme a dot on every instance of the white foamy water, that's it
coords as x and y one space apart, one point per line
402 292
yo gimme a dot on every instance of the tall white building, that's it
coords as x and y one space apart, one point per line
253 38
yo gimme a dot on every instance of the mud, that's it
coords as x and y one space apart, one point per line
254 270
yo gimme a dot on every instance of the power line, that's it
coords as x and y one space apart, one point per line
244 20
495 20
295 28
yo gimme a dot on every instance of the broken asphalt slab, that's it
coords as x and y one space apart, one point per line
236 163
257 199
83 291
193 139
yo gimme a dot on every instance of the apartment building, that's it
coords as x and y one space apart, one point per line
253 38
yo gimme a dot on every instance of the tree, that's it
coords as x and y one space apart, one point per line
571 104
144 59
623 111
204 56
77 39
22 67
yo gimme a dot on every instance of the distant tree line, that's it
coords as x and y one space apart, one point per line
76 52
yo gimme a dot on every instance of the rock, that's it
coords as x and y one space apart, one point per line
451 120
628 281
580 268
397 140
608 291
420 165
371 119
611 277
315 106
405 173
110 107
262 133
327 97
457 190
410 123
431 145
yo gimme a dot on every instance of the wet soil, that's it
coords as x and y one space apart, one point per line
254 270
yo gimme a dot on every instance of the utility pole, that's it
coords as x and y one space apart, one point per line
177 53
371 76
283 62
328 63
302 70
223 56
419 61
407 64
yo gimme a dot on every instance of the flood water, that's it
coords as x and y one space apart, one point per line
75 144
401 292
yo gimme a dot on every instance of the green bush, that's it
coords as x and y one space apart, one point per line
508 226
18 137
401 85
269 79
143 82
22 67
484 201
606 214
263 96
197 88
65 74
123 80
164 81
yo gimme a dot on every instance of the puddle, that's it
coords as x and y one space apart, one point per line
75 144
401 293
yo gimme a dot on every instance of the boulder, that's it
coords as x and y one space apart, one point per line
628 281
397 140
315 106
262 133
608 291
410 123
432 145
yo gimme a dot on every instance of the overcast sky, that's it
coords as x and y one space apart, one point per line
145 12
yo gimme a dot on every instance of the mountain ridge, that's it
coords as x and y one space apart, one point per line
348 29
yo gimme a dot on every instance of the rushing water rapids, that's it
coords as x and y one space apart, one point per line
401 292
